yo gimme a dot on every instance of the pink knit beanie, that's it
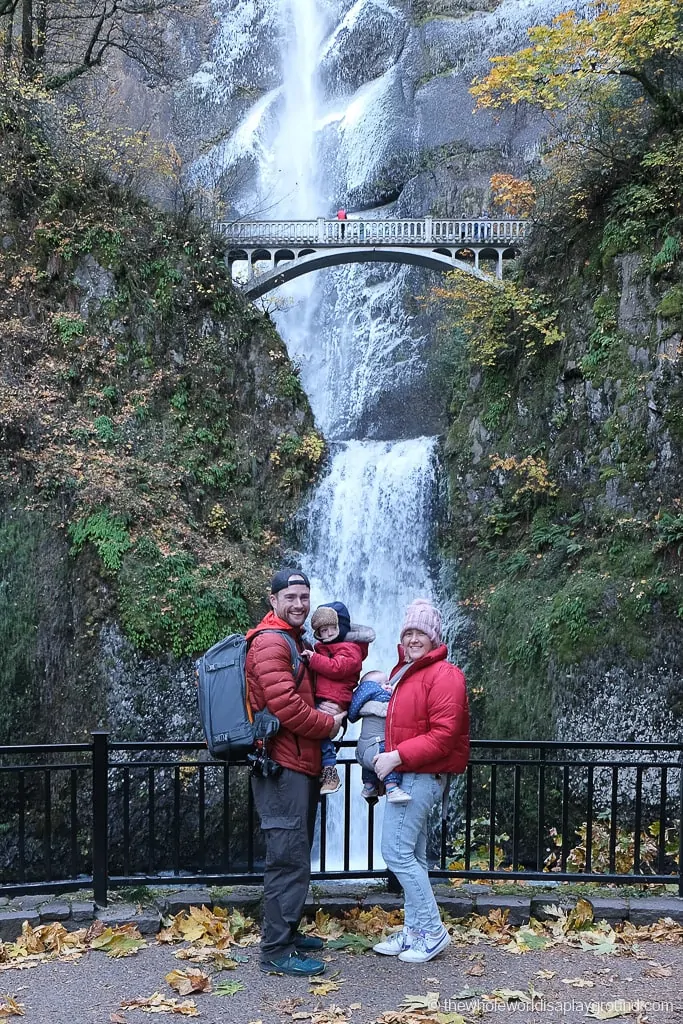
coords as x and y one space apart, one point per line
423 616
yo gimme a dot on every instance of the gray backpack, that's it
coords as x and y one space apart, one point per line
230 727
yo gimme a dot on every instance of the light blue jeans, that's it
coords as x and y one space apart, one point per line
404 848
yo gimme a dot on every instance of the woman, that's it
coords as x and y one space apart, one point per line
427 738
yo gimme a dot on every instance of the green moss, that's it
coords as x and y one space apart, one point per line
671 305
172 602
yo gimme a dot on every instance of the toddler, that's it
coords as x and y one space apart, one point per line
369 703
336 661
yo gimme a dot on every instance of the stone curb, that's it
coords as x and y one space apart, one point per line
457 903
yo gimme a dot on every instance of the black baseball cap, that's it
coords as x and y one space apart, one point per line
288 578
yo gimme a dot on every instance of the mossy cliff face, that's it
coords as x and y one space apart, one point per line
155 438
566 515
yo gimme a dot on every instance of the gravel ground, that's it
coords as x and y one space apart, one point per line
91 990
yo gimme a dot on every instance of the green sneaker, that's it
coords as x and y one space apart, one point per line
297 966
308 943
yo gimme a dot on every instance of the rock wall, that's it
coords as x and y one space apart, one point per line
565 473
155 438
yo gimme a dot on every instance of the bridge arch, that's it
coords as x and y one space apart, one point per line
317 260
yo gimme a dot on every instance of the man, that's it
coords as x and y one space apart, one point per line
287 804
341 217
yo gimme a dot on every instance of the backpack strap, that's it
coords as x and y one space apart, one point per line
298 664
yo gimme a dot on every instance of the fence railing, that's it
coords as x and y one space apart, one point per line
108 814
355 231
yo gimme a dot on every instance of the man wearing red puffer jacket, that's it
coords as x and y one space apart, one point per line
287 801
337 662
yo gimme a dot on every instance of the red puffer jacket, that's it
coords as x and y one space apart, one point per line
428 719
337 666
270 684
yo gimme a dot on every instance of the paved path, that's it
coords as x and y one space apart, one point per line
90 991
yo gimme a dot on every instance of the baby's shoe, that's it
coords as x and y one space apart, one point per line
330 780
370 792
396 795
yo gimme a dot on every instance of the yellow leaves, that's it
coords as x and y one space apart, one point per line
9 1007
496 320
515 196
531 476
124 940
578 982
430 1001
615 39
192 980
156 1003
372 921
39 945
53 942
580 915
216 928
323 986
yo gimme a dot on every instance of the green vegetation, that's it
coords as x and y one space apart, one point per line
135 440
565 444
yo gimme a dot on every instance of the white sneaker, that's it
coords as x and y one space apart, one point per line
396 943
425 946
396 795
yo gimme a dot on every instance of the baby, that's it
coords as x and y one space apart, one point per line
339 654
369 703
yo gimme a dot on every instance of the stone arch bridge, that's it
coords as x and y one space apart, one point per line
284 250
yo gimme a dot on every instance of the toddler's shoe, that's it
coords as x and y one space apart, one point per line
396 795
369 792
330 780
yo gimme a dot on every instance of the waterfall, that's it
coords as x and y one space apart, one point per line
366 529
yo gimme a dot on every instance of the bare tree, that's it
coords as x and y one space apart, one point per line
61 40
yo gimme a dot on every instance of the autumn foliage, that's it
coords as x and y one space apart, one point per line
636 40
515 196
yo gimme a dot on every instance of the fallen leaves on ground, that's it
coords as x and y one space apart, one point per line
9 1007
229 988
656 970
323 986
191 980
206 929
429 1001
156 1003
124 940
353 943
578 982
210 955
53 942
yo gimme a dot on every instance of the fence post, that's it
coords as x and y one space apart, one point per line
100 799
429 222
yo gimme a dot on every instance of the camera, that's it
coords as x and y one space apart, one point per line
263 766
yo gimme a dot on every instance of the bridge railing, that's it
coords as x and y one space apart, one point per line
357 231
110 814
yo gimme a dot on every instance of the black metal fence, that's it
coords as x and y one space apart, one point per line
106 814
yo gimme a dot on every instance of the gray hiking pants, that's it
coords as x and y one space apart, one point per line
287 807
